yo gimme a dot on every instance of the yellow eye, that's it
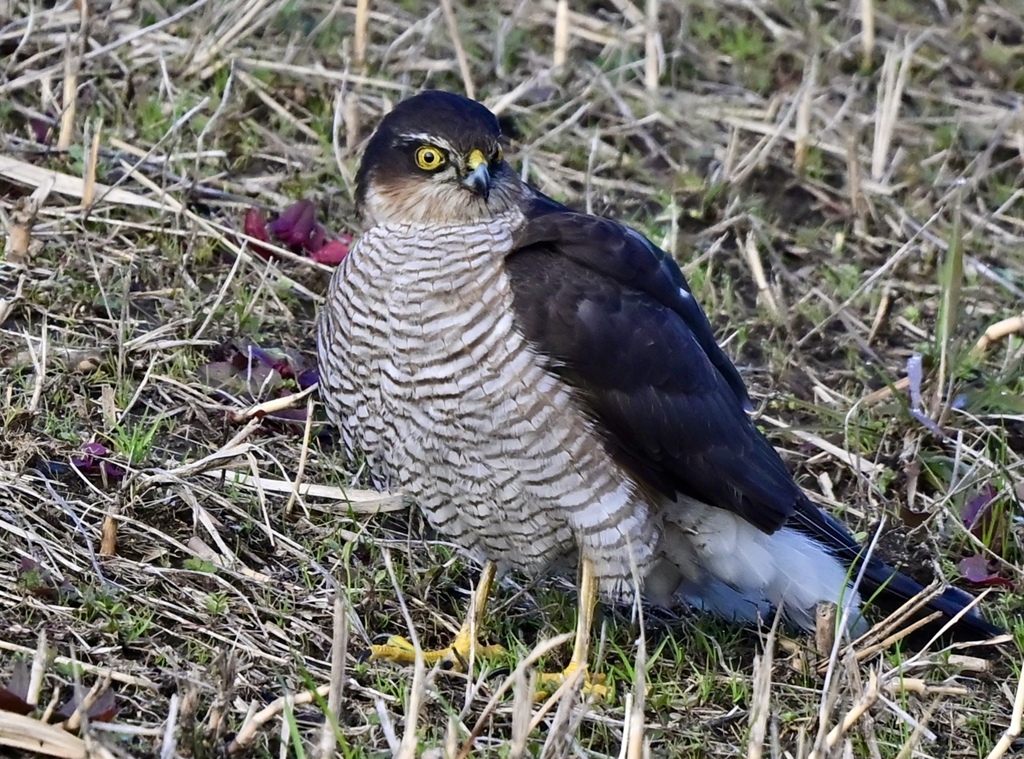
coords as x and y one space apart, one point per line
429 158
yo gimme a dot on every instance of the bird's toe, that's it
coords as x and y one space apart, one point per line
455 657
595 686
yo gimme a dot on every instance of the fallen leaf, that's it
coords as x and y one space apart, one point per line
255 225
297 229
102 709
976 507
977 569
94 461
308 378
333 252
247 372
42 130
295 225
13 695
42 583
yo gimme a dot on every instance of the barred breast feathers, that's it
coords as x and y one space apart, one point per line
466 404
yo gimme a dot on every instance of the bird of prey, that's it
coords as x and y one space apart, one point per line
544 385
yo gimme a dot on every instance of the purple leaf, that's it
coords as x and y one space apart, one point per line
333 252
277 363
245 371
42 130
103 708
111 471
317 239
255 225
976 569
246 367
308 378
95 449
976 507
296 225
92 461
13 695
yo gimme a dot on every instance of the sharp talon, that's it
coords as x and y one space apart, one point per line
365 655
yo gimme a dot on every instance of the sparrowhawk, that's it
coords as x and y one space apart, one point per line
544 385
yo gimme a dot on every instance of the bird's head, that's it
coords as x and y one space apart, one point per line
435 158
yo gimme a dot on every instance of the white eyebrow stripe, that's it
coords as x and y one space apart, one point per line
430 139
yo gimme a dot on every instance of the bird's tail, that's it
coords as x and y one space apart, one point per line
888 589
717 562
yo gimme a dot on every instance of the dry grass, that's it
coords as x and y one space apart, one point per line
842 184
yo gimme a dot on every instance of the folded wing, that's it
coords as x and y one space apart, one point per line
612 314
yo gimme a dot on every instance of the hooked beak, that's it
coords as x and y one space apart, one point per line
479 178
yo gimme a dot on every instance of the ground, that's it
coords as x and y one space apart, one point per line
841 183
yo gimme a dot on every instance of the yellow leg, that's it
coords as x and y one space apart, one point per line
401 651
592 685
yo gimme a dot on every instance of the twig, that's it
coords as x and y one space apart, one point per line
339 652
998 331
760 697
1012 732
561 51
653 53
460 51
764 290
540 650
303 455
247 734
865 702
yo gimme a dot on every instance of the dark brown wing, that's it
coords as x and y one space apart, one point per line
615 318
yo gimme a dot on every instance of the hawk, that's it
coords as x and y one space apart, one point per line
545 386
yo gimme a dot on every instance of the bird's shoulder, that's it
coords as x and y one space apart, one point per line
557 248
